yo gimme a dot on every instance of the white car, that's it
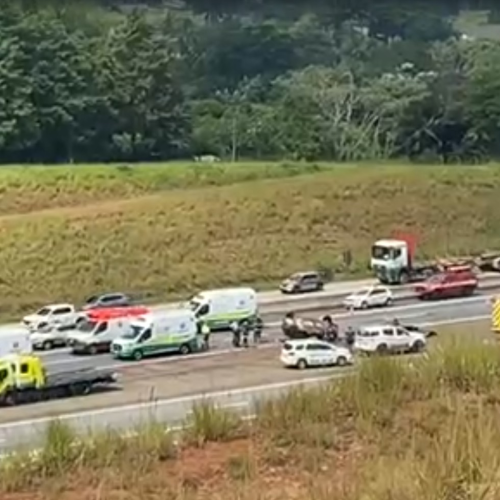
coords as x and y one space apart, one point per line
371 296
389 339
314 353
58 316
46 340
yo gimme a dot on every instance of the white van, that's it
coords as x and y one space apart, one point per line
160 332
220 308
95 336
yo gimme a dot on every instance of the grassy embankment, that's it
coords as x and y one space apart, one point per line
422 430
161 232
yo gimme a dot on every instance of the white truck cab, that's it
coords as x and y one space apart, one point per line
160 332
390 258
220 308
389 339
60 316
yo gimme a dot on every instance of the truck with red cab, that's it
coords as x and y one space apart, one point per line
455 281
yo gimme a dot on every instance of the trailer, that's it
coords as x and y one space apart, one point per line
24 379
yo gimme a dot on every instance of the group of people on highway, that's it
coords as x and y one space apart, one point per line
242 331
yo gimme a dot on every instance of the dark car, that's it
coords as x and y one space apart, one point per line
107 300
302 282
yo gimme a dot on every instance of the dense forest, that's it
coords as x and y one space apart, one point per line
112 80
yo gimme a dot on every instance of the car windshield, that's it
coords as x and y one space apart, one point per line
380 252
295 277
133 332
44 311
363 291
287 346
86 326
91 299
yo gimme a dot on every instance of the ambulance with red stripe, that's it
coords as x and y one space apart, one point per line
101 326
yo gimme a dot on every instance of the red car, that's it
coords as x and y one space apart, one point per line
458 281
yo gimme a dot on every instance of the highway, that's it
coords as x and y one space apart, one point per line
62 359
166 388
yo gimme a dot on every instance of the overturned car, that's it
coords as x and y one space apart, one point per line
304 328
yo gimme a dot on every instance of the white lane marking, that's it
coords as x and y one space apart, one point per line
236 404
168 402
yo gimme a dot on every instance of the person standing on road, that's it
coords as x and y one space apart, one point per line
257 328
205 332
245 330
235 327
350 337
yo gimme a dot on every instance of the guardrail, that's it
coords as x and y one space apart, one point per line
334 300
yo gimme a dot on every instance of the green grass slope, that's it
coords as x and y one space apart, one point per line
99 230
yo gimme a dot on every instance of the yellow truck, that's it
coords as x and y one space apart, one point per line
24 379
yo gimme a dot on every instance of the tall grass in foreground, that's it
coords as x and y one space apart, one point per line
411 429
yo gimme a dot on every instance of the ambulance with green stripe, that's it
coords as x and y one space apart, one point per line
162 332
220 308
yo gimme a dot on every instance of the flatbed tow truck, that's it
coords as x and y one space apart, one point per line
24 379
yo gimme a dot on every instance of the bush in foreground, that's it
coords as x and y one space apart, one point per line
409 428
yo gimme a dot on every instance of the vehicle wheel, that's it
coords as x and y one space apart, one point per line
364 305
321 287
80 389
382 349
341 361
389 302
185 349
10 399
93 350
418 346
404 278
137 355
301 364
47 345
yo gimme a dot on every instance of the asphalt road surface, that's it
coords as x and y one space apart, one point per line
413 310
167 388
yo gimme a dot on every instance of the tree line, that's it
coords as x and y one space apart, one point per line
101 81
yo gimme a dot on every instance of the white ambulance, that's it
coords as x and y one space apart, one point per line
160 332
220 308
